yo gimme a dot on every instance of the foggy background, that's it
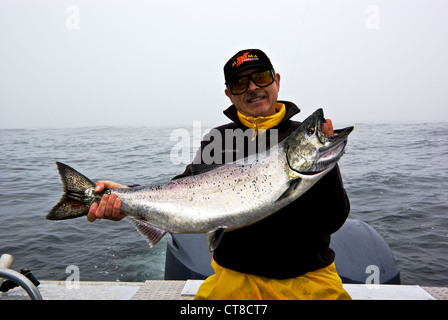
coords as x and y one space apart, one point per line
158 63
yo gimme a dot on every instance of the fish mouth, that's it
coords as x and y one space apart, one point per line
332 150
339 135
333 142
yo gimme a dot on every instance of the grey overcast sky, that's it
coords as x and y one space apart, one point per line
155 63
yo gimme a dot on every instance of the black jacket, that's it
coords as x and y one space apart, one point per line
293 240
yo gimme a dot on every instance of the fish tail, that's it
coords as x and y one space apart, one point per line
73 203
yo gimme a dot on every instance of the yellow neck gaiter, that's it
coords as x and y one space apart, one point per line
263 123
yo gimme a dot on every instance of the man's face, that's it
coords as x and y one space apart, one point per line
256 101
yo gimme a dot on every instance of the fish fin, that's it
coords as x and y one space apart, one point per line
72 180
72 203
68 208
147 230
214 237
291 188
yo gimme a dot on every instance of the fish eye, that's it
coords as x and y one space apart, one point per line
310 130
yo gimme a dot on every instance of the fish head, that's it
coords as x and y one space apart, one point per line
309 151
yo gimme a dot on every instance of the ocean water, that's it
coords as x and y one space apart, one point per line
396 176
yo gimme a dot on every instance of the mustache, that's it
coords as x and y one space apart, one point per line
251 95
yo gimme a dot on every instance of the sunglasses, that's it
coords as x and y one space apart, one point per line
261 78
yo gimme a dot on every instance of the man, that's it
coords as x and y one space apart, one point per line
287 255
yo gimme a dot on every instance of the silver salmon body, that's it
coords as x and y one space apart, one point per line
223 197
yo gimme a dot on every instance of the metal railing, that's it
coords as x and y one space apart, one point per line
18 278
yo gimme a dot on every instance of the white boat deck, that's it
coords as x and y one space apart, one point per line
186 290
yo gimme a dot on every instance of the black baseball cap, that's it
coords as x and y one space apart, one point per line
245 59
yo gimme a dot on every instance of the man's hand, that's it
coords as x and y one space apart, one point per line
110 205
327 128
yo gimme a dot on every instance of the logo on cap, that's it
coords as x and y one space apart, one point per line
245 57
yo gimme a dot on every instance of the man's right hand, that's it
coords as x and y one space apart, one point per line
109 206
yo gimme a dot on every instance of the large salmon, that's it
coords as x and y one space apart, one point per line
223 197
